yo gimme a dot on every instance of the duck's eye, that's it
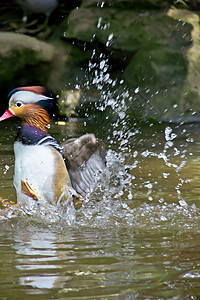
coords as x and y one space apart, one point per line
18 104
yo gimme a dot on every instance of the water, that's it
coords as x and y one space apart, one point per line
137 234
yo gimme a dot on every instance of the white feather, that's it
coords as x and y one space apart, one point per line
36 166
27 97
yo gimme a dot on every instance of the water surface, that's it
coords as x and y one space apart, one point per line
137 234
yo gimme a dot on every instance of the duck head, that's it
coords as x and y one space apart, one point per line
35 105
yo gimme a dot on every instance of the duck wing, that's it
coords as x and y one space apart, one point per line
84 157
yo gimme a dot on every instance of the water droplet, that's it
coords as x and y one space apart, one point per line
99 22
110 37
136 90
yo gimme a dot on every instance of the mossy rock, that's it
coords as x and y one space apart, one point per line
162 51
133 4
125 30
160 68
23 61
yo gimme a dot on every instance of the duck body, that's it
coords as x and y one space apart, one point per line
40 166
44 170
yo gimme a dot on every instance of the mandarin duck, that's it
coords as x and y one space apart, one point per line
44 170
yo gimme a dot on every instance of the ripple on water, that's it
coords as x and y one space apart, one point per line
136 236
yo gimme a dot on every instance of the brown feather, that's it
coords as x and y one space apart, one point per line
84 158
61 178
35 89
27 190
34 115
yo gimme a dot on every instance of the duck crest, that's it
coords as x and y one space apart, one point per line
35 89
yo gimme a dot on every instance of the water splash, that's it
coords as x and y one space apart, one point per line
143 181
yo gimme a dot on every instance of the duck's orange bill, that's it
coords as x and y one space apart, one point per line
6 115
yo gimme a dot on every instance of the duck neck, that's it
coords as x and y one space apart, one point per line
29 135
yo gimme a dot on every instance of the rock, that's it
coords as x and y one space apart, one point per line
127 30
187 104
24 60
68 101
15 41
156 45
71 101
142 4
160 75
146 44
191 4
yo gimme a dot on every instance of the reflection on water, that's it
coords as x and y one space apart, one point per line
89 262
137 234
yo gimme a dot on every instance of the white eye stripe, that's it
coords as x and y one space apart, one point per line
27 97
